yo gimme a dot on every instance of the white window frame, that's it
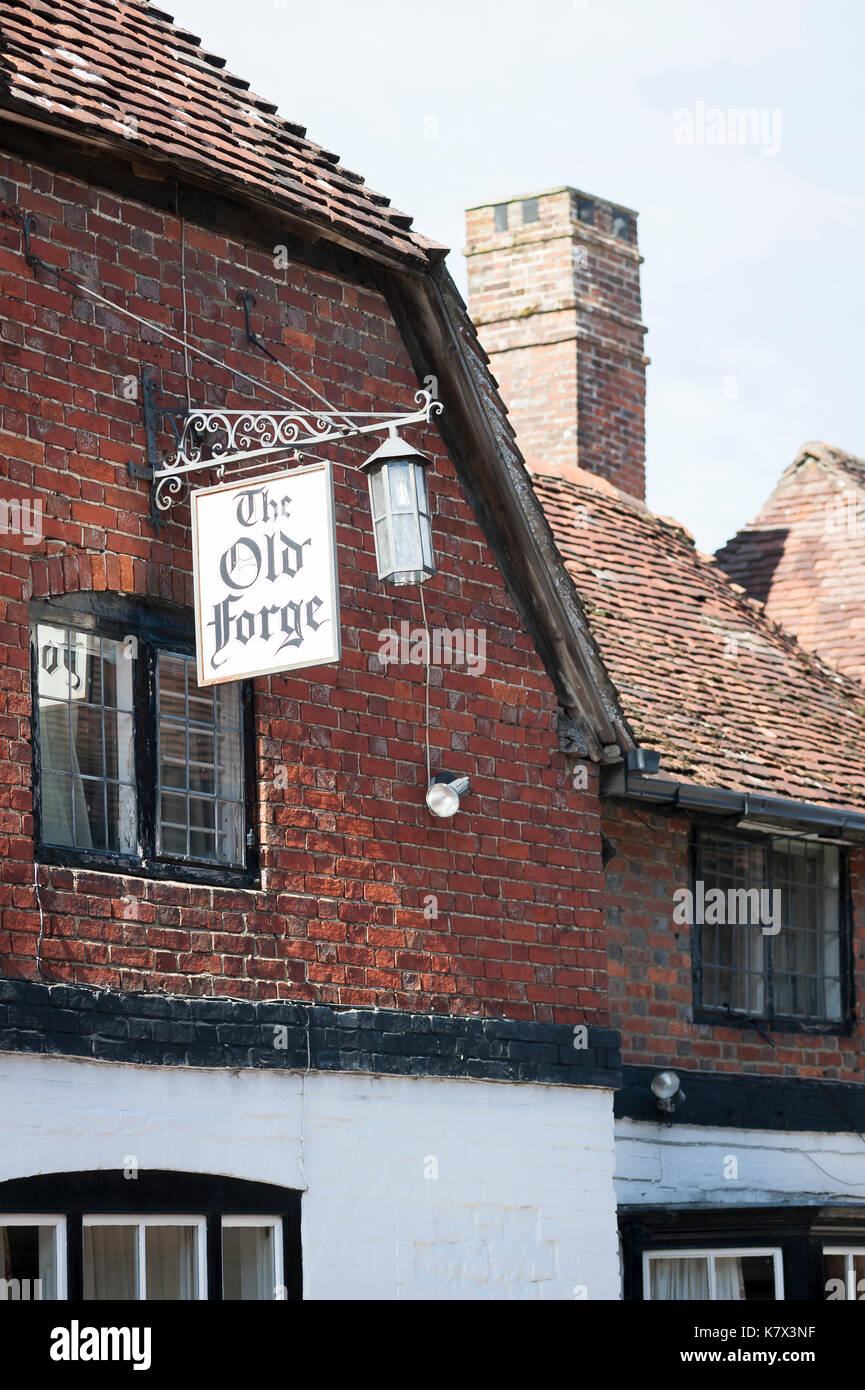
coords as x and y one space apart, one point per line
59 1225
275 1224
141 1223
711 1256
849 1272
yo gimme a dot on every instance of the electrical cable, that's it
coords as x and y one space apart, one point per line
426 714
33 260
41 921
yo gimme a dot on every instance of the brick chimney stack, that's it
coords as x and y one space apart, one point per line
554 290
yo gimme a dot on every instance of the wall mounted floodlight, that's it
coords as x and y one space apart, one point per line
444 792
399 498
667 1090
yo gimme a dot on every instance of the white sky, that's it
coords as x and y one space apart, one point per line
753 262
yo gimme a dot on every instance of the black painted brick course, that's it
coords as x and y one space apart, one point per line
748 1102
169 1030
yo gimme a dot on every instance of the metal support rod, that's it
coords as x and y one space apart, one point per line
215 439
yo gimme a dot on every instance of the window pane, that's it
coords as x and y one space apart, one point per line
835 1274
170 1256
248 1263
733 948
172 686
28 1262
200 764
807 952
86 740
679 1278
226 707
757 1277
110 1263
200 704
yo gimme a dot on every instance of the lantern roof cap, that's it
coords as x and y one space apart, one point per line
394 447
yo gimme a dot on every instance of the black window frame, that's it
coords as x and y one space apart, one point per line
769 1020
800 1232
108 1192
155 627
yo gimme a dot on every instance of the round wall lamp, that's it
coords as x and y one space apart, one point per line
667 1090
444 792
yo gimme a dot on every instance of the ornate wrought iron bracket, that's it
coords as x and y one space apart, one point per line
240 440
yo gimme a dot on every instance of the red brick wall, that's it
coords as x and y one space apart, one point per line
557 305
651 994
348 849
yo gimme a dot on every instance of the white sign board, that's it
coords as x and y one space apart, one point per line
266 585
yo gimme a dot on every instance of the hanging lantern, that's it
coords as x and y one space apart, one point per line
399 499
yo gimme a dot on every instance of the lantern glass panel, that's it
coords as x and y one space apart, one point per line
426 542
378 493
401 486
420 485
384 546
405 539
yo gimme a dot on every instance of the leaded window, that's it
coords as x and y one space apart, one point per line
768 924
138 767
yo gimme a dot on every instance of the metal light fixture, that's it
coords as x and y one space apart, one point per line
399 499
667 1090
444 792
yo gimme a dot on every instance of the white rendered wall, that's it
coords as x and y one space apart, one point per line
522 1207
692 1163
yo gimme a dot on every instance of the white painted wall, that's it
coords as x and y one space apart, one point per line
686 1163
522 1207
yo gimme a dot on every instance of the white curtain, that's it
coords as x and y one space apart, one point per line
729 1278
679 1278
57 733
48 1261
170 1255
248 1271
110 1260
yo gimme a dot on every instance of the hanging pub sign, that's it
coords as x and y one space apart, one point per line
266 585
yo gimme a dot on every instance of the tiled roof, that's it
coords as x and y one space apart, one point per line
728 697
804 555
121 70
